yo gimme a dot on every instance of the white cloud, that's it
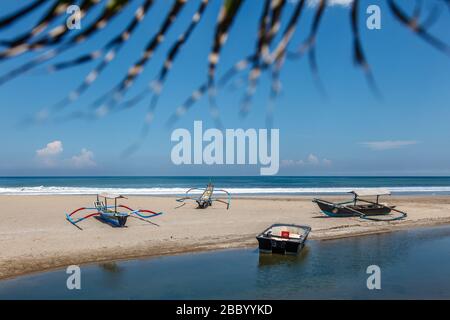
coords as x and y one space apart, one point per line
289 163
52 149
50 157
311 160
342 3
388 144
83 160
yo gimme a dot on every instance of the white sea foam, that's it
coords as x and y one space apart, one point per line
54 190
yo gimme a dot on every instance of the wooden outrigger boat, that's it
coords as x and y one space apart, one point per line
206 198
110 214
362 208
283 238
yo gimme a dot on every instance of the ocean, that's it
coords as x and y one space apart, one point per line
245 185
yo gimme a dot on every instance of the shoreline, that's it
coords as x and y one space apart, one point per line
27 250
255 195
211 248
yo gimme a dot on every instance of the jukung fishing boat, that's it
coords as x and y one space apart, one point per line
110 214
283 238
205 199
363 208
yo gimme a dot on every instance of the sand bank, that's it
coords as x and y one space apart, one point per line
35 236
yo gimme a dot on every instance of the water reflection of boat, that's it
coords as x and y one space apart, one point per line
112 267
269 260
283 238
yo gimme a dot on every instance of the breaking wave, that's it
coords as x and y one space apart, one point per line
57 190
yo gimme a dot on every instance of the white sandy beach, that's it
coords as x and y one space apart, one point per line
35 236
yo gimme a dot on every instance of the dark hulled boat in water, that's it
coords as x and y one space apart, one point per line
283 238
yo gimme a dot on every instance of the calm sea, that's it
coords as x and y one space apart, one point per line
236 185
414 264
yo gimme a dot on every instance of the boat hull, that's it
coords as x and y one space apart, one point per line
279 246
334 211
116 220
270 241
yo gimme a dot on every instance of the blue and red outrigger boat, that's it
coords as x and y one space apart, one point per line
110 214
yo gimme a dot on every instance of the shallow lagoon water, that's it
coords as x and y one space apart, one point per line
415 264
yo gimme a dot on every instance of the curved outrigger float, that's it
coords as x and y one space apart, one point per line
362 208
206 198
110 214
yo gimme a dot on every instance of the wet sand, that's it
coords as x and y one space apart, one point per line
35 236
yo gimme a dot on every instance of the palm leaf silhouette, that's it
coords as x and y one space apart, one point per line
14 17
49 37
110 100
109 51
112 8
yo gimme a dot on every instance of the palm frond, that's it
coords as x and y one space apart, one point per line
14 17
19 44
311 44
280 49
227 16
113 47
103 106
157 85
275 89
417 28
108 13
358 52
48 37
118 41
197 94
269 25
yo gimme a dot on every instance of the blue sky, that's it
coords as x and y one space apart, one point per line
350 132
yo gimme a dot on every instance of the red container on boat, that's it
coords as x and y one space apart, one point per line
285 234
